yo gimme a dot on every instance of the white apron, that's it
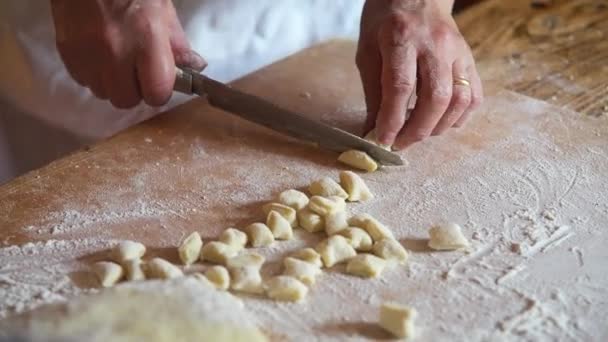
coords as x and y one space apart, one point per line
44 114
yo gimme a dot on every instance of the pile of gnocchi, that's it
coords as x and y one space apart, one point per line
363 243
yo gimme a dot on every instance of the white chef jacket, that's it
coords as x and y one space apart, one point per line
44 114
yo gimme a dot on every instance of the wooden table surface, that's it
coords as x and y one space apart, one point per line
196 167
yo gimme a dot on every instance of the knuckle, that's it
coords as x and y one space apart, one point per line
401 83
441 95
157 93
461 99
443 34
397 28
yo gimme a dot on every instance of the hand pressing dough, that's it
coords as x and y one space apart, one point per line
390 250
447 237
305 272
234 238
310 221
398 319
324 206
217 252
259 235
279 226
335 250
158 268
373 138
309 255
294 199
373 227
365 266
219 277
286 288
288 213
326 187
335 222
359 160
190 249
355 186
133 270
358 238
108 273
128 250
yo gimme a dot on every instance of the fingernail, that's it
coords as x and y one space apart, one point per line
197 61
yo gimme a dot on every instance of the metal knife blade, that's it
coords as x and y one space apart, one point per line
264 113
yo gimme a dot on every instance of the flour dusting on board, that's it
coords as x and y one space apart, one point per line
525 180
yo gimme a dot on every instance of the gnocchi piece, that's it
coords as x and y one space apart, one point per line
359 160
293 198
358 238
286 288
133 270
259 235
287 212
158 268
249 259
335 222
373 227
326 187
217 252
128 250
190 249
234 238
365 266
355 186
390 250
447 237
373 138
335 250
309 255
219 277
305 272
279 226
201 278
108 273
310 221
246 279
324 206
398 319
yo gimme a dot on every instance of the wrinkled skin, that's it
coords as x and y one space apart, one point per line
414 47
124 51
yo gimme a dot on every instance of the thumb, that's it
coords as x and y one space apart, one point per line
182 53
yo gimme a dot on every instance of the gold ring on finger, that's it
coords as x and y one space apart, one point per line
461 81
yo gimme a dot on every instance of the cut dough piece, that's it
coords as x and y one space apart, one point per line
358 238
293 198
246 279
335 250
447 237
234 238
373 138
390 250
355 186
324 206
335 222
108 273
158 268
217 252
326 187
310 221
190 249
373 227
133 270
128 250
279 226
309 255
305 272
359 160
203 280
286 288
365 266
248 259
259 235
287 212
219 277
398 319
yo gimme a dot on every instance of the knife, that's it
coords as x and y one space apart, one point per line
264 113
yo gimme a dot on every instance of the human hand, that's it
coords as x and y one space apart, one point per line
123 50
414 46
